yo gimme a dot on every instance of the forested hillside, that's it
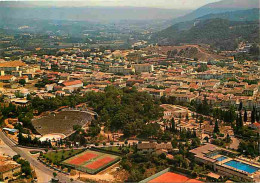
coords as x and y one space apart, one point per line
219 33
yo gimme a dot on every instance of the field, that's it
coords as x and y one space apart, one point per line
58 156
61 122
91 162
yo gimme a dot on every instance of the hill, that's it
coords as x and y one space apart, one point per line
218 7
202 53
222 31
219 33
240 15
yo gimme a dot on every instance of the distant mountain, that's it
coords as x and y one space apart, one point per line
219 33
240 15
218 7
38 10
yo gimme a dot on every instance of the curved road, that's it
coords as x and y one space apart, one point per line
44 174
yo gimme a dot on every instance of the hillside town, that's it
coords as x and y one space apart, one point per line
129 91
180 84
224 82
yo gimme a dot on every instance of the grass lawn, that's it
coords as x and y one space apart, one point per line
112 148
61 155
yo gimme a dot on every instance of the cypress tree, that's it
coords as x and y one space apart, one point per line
173 125
253 115
257 116
216 127
237 124
240 106
240 120
245 116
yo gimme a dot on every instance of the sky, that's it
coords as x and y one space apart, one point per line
169 4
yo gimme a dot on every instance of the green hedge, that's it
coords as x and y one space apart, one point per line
106 151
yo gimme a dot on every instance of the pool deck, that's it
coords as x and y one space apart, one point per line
222 163
218 156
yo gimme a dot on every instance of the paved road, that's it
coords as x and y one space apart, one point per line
44 173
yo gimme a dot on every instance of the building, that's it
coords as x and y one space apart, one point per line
154 147
143 68
222 161
73 84
121 69
171 111
7 78
8 168
12 66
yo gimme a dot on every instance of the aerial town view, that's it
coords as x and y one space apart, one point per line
103 91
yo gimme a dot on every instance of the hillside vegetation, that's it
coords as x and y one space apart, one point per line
221 34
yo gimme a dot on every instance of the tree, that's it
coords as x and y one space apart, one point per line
240 106
201 120
245 116
187 117
237 125
77 127
54 174
22 82
253 113
257 118
173 129
241 124
228 139
216 127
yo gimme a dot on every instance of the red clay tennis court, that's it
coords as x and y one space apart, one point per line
170 177
83 158
99 163
91 161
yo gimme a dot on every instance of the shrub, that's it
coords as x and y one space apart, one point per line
221 135
16 157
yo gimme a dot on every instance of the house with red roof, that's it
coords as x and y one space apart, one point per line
73 84
7 78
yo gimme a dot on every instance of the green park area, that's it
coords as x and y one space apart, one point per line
58 156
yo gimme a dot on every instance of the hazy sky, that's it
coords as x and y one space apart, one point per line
179 4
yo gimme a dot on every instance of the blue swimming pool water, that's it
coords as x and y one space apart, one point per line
241 166
221 158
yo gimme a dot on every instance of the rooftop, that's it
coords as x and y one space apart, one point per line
12 64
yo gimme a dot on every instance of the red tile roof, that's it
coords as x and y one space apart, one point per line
70 83
6 77
12 64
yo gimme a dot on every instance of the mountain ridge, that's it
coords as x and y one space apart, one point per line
221 34
218 7
86 13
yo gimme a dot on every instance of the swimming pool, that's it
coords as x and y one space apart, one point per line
221 158
241 166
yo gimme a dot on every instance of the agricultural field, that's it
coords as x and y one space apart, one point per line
91 162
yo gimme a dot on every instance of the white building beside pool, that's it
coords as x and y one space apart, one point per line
227 163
